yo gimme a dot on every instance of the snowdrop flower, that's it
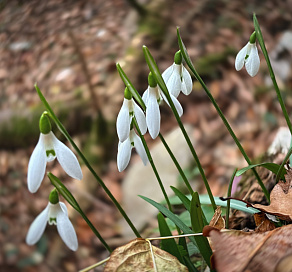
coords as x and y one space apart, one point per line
152 97
128 110
55 214
47 149
125 148
249 57
281 143
177 78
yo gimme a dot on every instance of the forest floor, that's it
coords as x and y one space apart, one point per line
49 42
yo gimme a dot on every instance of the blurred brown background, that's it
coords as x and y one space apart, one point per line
70 48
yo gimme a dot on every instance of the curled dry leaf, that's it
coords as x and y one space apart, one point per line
281 200
263 223
236 251
217 220
137 256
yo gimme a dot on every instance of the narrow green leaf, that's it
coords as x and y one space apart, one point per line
185 201
205 200
177 221
268 165
64 192
130 86
186 55
155 71
183 244
281 168
197 225
168 245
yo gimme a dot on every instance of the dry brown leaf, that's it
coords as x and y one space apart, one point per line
263 223
137 256
236 251
217 220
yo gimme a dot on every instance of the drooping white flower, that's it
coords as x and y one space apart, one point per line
125 149
53 214
128 110
47 149
281 143
249 57
177 78
152 97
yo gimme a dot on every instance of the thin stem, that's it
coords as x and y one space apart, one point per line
176 164
192 68
80 154
272 75
152 164
228 195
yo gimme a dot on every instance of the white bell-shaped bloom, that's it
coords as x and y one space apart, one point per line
125 149
177 79
53 214
47 149
281 143
152 97
128 110
249 57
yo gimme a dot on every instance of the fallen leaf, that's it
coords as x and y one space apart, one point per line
263 223
217 220
137 256
236 251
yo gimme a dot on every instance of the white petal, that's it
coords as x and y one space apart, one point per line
123 122
67 159
37 227
240 57
141 119
124 155
145 96
36 166
187 83
153 116
66 230
174 83
177 105
140 148
252 63
167 73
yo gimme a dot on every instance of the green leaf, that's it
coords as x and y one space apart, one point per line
186 55
64 192
278 176
268 165
155 71
130 86
205 200
168 245
197 225
185 201
174 219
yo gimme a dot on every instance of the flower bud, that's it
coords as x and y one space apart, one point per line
253 37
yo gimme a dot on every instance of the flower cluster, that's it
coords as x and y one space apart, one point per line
47 149
177 79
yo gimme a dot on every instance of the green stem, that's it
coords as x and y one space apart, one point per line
282 164
176 164
99 180
272 75
228 195
192 68
152 164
